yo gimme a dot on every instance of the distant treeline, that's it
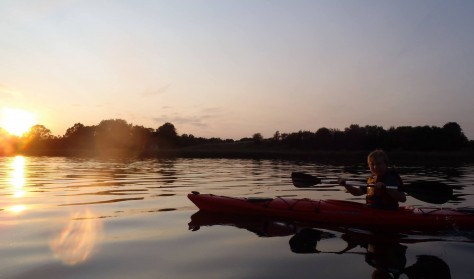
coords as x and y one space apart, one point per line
450 137
117 135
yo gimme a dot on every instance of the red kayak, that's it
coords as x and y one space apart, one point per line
340 213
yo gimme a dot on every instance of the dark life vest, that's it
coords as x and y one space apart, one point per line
380 198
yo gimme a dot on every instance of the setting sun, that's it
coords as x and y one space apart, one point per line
17 121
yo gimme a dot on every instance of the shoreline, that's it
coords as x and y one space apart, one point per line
252 151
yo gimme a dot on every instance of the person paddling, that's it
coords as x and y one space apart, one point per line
378 195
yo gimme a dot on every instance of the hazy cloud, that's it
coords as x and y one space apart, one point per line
158 91
5 92
197 121
200 119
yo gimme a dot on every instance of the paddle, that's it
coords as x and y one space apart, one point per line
427 191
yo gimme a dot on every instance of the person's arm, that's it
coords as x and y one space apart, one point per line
355 191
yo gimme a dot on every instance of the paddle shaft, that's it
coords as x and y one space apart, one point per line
329 181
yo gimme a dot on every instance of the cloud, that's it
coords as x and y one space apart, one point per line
197 121
158 91
200 119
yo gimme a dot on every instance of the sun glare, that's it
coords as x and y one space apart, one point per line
17 121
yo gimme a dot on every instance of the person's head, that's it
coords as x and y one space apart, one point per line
381 274
378 162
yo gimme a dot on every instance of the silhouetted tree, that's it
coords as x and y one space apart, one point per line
113 134
187 140
276 136
453 136
324 138
166 135
376 137
301 139
257 138
37 138
39 132
79 136
356 137
141 139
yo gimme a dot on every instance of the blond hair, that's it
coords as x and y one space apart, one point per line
378 154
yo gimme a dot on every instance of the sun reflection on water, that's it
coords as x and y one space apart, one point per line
18 173
17 181
17 208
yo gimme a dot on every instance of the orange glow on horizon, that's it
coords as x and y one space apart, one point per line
17 121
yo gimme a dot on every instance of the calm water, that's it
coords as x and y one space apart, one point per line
88 218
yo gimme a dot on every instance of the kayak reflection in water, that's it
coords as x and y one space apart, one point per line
384 253
379 194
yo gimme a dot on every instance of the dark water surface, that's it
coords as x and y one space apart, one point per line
90 218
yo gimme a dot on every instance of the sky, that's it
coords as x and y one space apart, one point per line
230 69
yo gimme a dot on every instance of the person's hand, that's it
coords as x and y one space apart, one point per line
379 185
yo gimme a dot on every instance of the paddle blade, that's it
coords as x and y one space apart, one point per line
430 191
303 180
428 267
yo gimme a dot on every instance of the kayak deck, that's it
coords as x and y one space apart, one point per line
337 212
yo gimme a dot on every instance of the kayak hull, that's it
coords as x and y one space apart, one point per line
337 212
